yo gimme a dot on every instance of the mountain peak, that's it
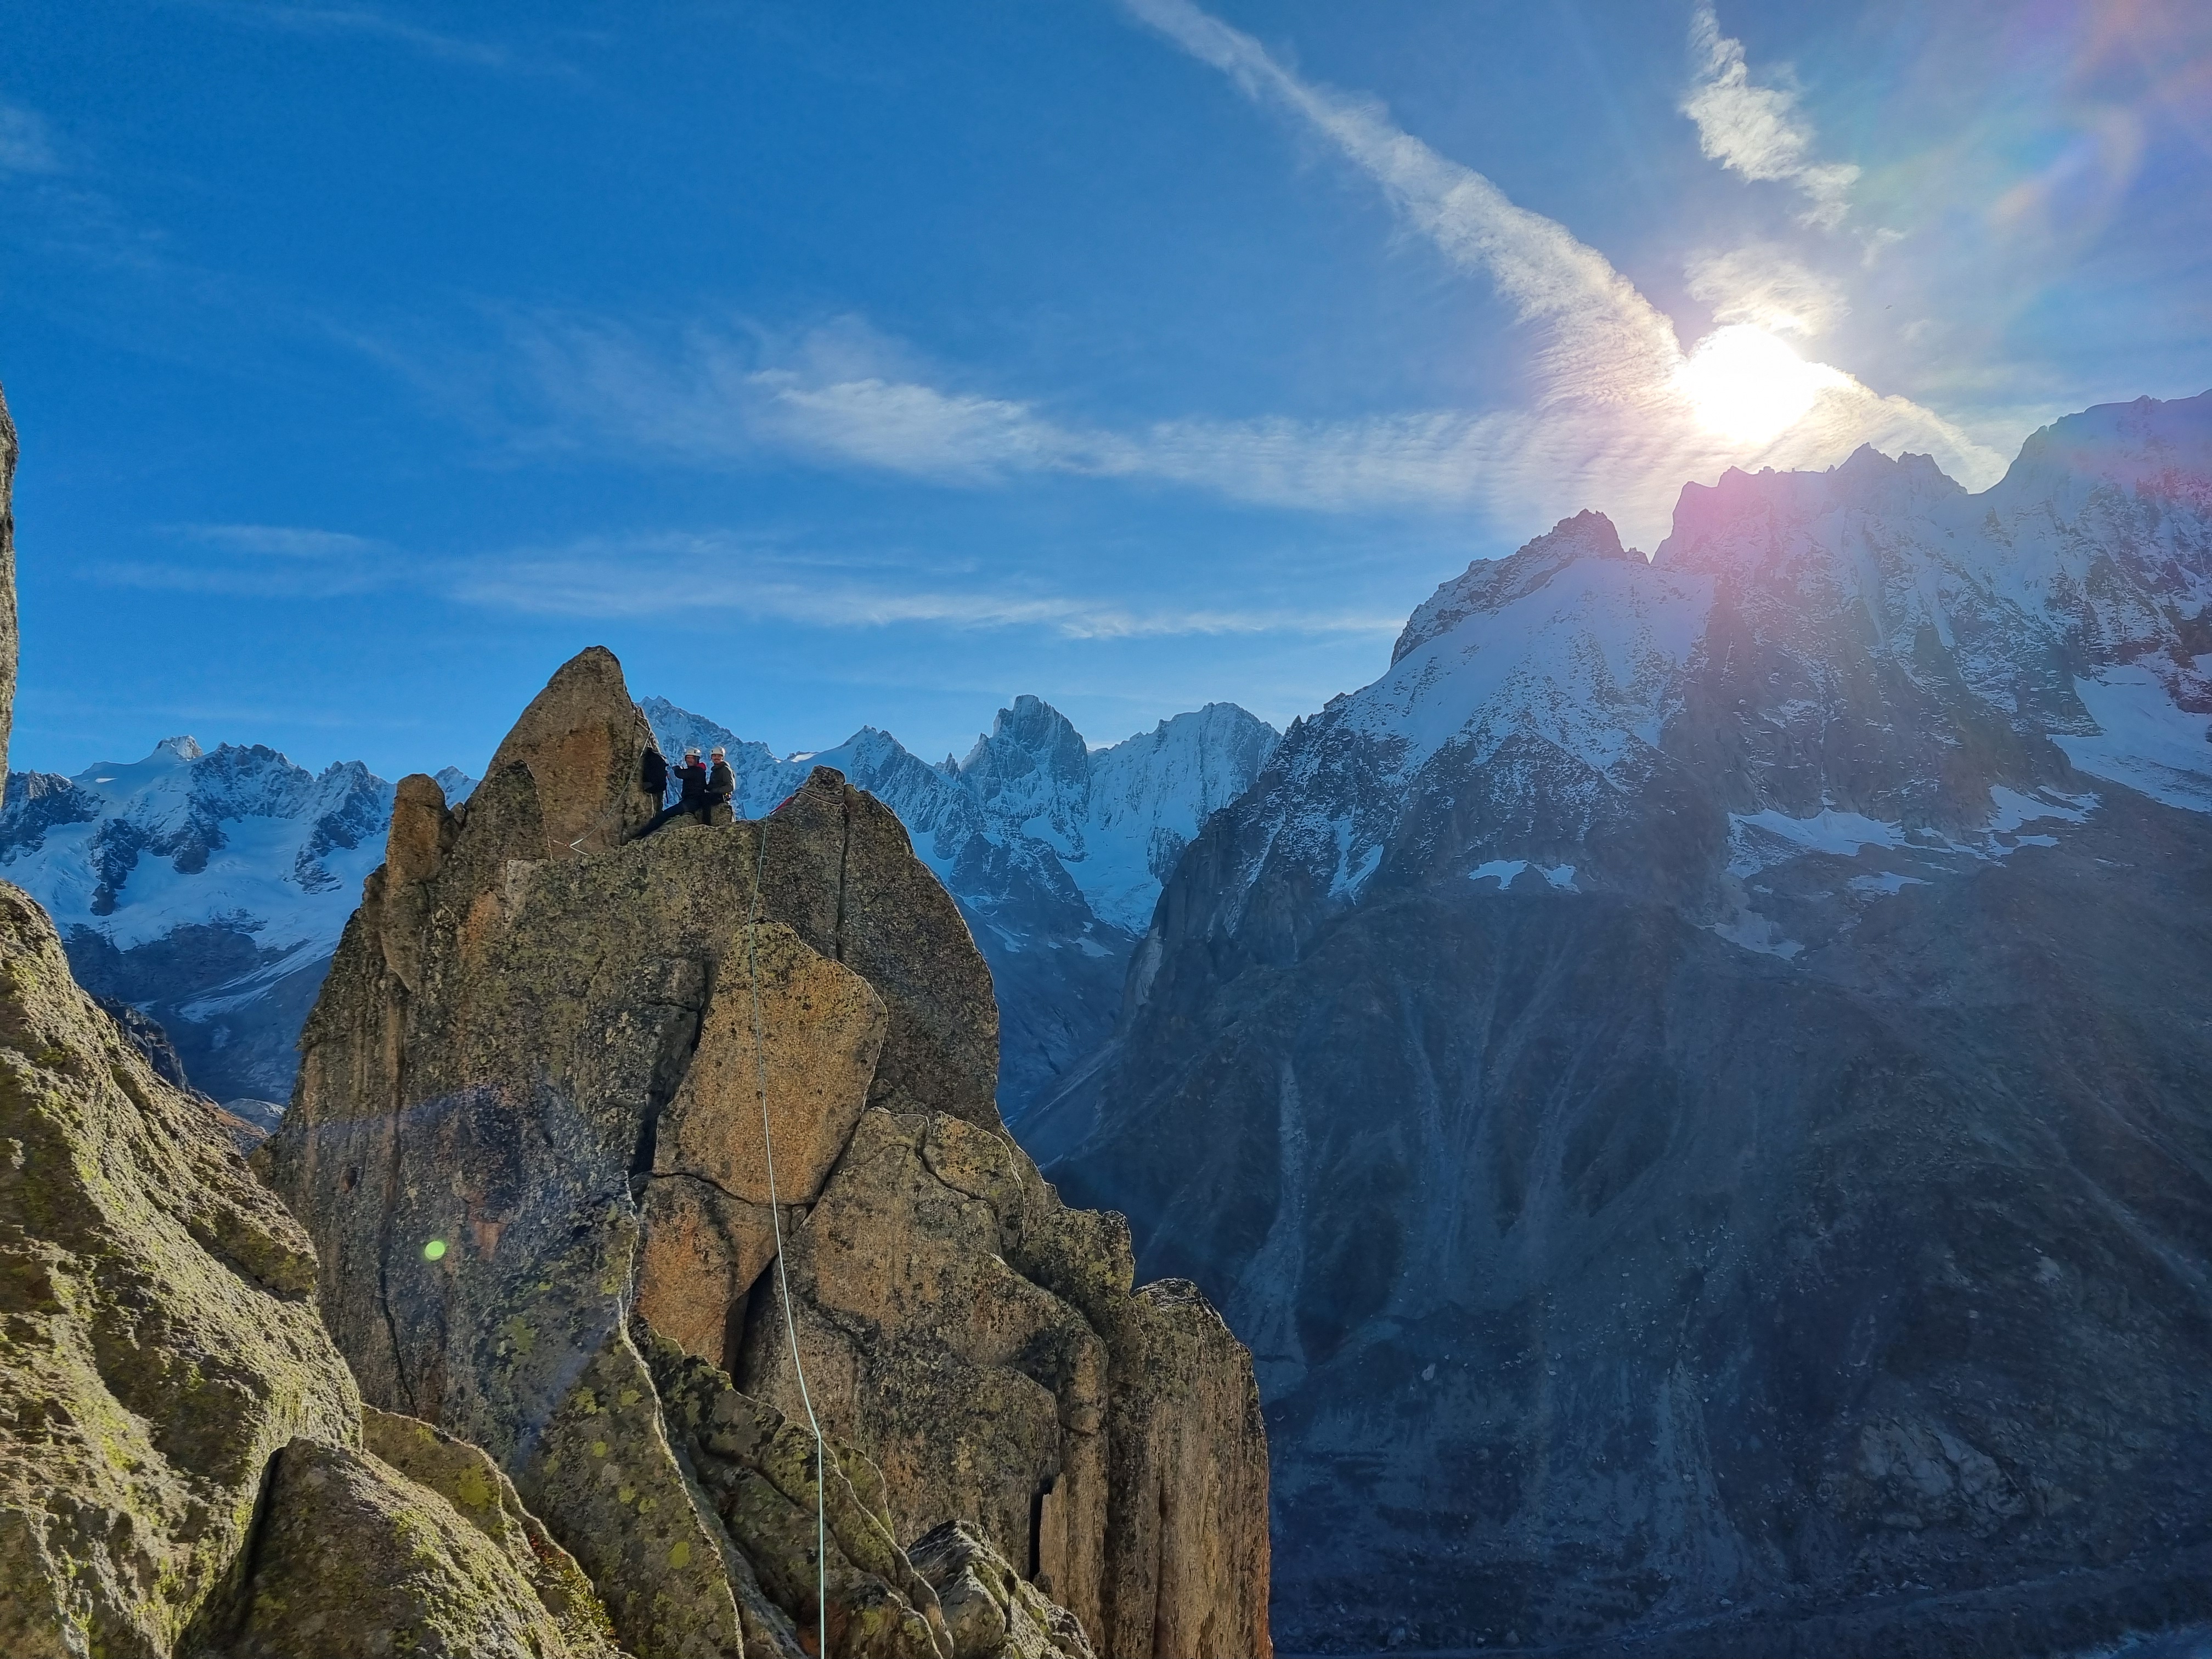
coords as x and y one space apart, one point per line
1033 763
1488 584
184 748
2158 449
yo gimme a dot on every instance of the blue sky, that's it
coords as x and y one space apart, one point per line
875 362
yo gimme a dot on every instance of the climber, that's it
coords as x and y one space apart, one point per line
692 802
721 785
652 774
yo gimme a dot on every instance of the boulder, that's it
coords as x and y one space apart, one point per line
527 1143
352 1561
481 1494
991 1612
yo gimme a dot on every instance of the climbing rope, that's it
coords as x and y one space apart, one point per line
782 1278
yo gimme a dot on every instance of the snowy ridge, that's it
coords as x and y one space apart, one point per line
207 889
1582 650
1868 661
240 835
1150 794
1031 805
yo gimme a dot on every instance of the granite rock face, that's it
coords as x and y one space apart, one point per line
527 1143
182 1468
162 1340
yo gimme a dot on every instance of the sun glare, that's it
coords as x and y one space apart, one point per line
1747 386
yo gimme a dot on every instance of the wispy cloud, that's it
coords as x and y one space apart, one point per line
661 575
25 144
285 541
367 23
843 395
1768 287
712 394
1757 130
260 561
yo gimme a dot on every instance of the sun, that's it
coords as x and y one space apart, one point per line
1749 386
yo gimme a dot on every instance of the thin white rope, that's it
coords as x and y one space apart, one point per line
782 1278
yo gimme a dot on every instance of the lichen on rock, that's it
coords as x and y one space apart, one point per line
162 1342
351 1558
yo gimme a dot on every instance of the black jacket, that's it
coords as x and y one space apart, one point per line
721 783
694 780
653 775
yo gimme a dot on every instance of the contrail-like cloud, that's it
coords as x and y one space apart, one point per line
1757 131
1597 319
1618 421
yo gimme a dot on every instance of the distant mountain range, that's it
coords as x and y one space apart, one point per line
1054 851
1697 1083
209 888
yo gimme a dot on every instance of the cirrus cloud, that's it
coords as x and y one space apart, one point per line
1757 130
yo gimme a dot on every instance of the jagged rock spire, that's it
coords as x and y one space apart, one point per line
581 740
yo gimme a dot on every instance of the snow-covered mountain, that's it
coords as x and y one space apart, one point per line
1054 850
1686 1081
1868 647
211 888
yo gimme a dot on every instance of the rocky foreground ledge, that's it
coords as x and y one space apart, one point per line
511 1375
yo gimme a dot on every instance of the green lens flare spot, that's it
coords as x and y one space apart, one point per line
434 1249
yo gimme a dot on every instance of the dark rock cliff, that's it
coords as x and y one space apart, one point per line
1696 1085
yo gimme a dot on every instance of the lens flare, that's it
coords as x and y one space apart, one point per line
1748 386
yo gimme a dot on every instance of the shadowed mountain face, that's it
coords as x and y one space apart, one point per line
1696 1087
